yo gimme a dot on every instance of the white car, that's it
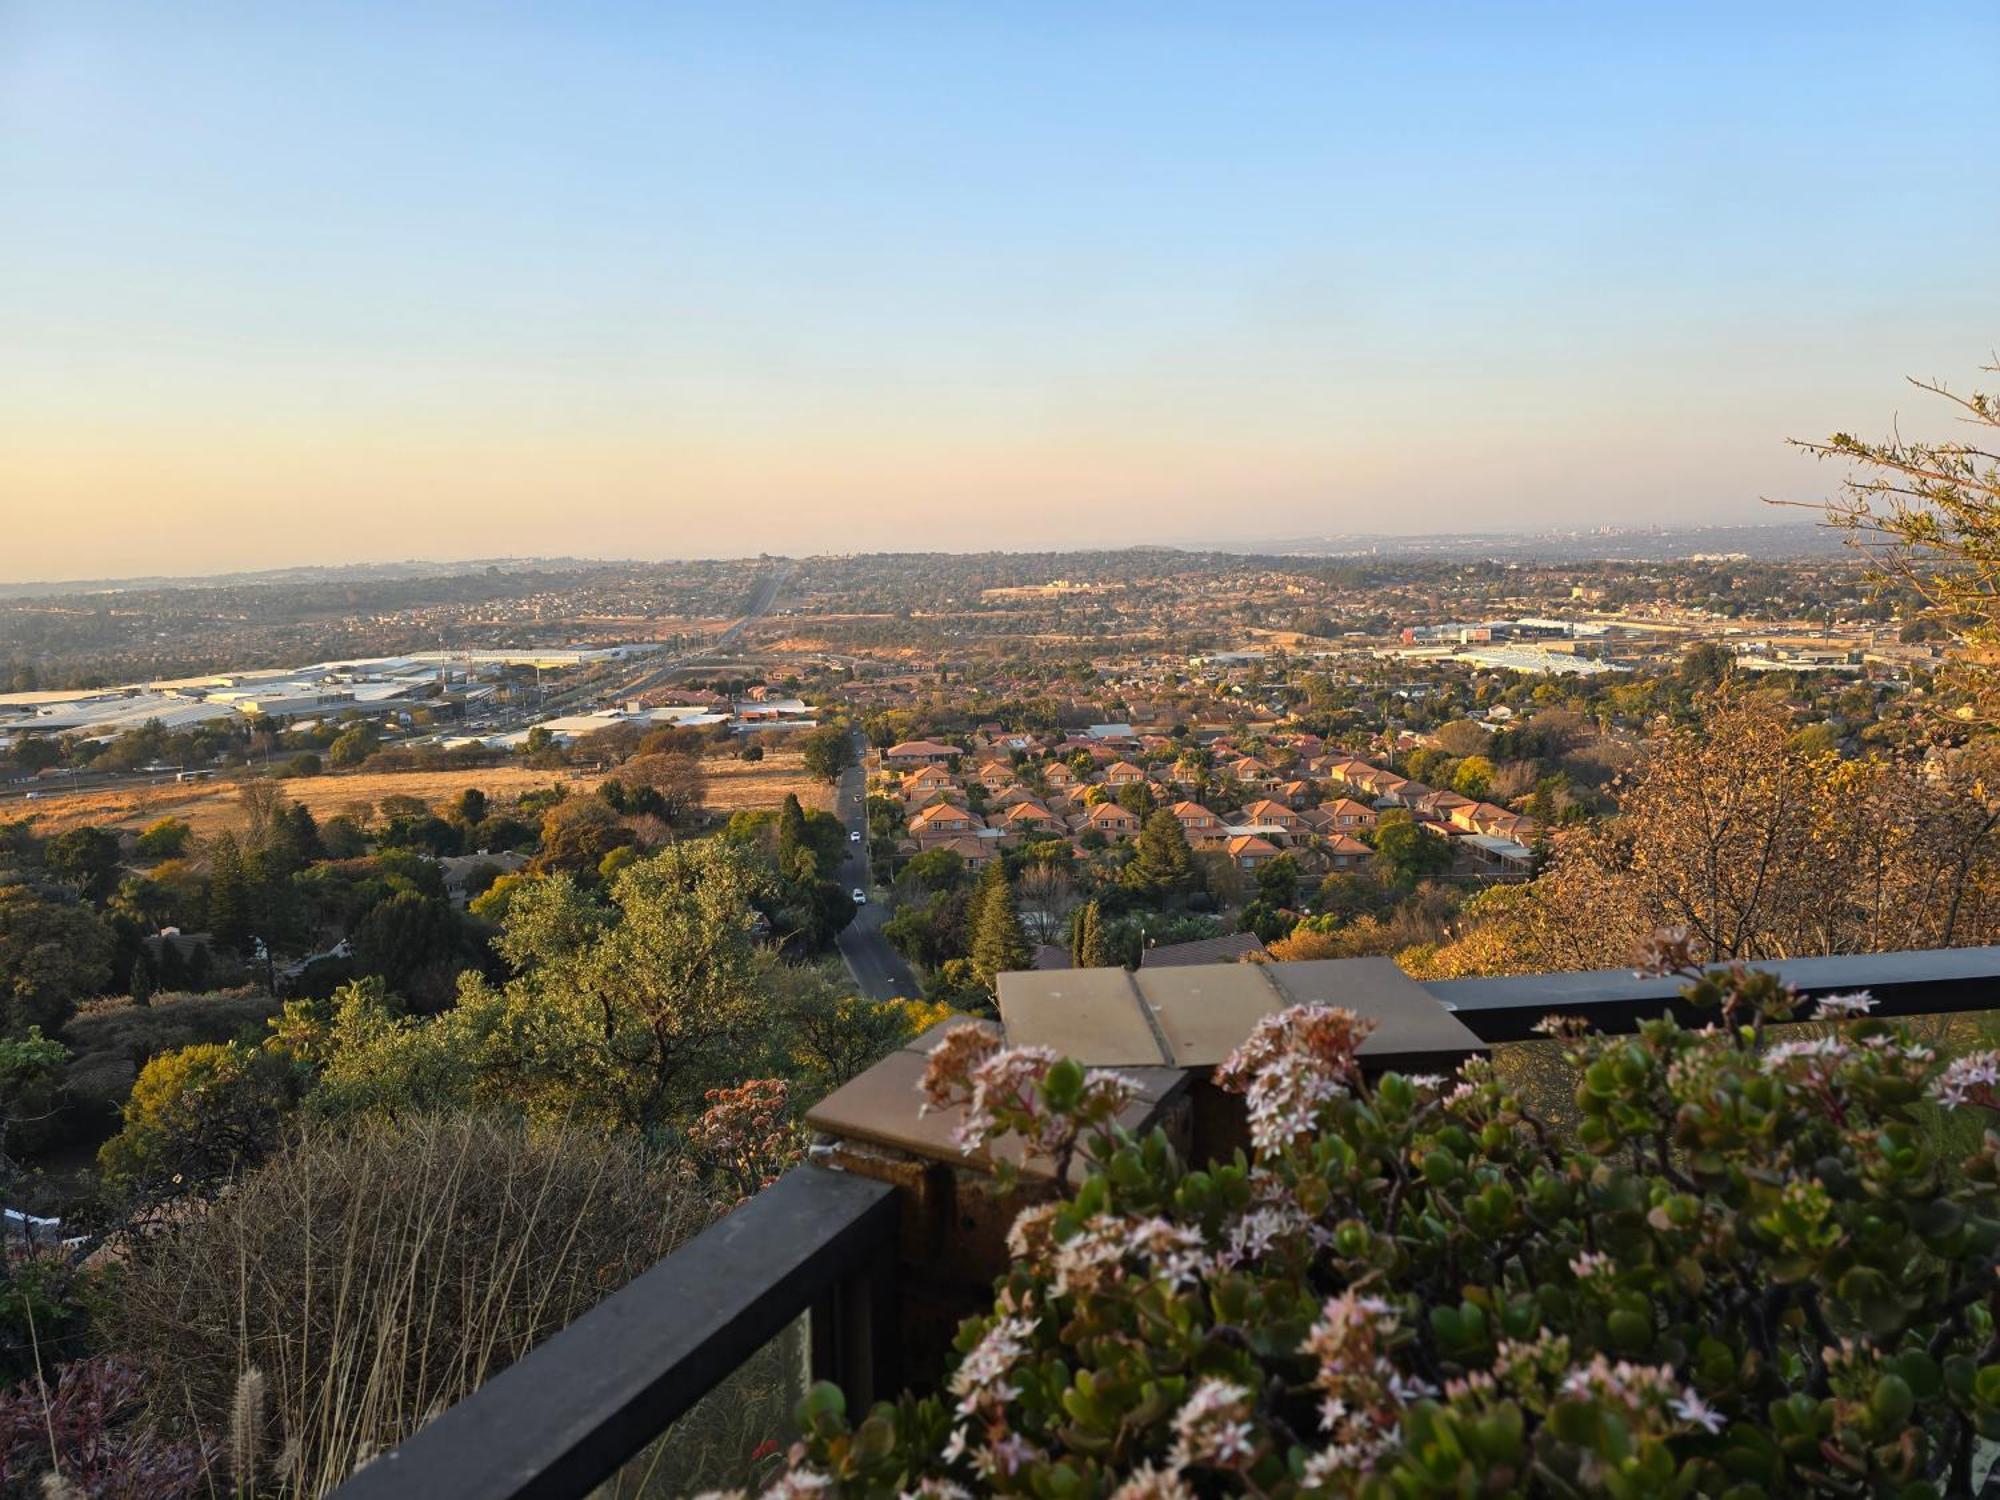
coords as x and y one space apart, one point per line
854 836
860 896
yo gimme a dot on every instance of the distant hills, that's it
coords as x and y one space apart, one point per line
1772 543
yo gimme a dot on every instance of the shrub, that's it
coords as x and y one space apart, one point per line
376 1274
1754 1267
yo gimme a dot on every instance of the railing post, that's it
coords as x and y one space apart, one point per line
854 1334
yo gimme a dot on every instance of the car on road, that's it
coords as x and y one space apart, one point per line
854 835
860 896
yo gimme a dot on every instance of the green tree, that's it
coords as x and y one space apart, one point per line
166 839
86 858
1162 863
1087 942
196 1116
998 943
829 751
1406 853
141 985
51 956
353 746
231 902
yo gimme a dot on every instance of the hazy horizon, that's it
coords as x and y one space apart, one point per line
328 284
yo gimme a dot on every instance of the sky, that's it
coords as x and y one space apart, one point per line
299 282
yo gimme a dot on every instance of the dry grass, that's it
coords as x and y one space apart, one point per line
375 1276
212 806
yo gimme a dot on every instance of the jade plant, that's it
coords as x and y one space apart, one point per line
1752 1267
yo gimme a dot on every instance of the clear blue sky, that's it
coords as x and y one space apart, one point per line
288 281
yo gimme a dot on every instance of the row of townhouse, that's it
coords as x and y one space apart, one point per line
1291 814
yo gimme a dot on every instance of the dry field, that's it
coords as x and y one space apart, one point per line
211 806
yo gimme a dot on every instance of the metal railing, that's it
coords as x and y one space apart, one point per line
574 1410
563 1419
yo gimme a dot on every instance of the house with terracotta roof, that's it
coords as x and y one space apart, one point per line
1344 853
1019 817
928 782
1268 814
995 776
977 853
1252 772
941 822
1111 820
1294 793
1349 817
1060 774
1197 822
1439 804
920 753
1123 773
1247 851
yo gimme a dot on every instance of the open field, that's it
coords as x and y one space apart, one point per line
211 806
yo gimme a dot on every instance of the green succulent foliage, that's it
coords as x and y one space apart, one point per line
1749 1270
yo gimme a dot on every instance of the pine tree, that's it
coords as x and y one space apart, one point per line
998 943
229 894
1162 863
141 988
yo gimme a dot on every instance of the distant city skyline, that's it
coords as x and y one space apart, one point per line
352 283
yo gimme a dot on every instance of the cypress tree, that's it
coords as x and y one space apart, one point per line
998 943
142 980
1087 941
795 854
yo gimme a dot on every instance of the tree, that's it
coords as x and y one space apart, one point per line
354 745
829 751
1278 881
1406 853
1927 513
1136 797
998 943
1462 737
1087 942
166 839
51 956
410 938
1706 666
197 1116
231 903
141 985
1162 863
676 784
577 833
86 858
1473 778
792 847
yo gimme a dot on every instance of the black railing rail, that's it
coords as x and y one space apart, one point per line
1934 981
564 1418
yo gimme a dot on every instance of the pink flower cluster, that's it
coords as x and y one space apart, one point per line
1000 1090
1212 1430
1971 1079
1290 1065
1650 1394
1362 1394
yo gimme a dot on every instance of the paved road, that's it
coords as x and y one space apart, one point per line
877 968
